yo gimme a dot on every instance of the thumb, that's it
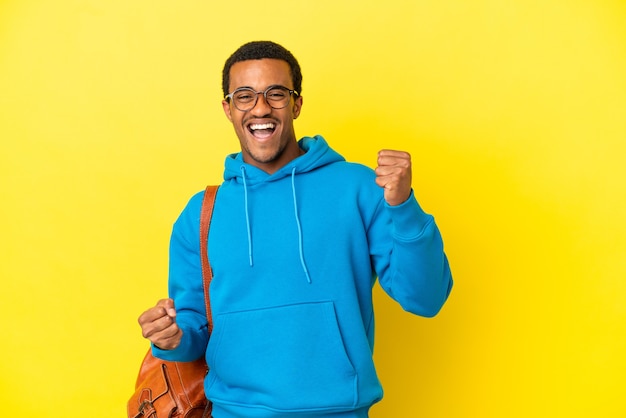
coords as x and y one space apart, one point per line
168 305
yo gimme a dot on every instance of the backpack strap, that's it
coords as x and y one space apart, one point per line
205 221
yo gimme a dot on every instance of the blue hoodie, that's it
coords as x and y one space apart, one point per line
295 255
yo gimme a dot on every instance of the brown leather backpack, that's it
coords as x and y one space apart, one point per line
169 389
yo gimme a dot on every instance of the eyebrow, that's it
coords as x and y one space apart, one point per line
268 87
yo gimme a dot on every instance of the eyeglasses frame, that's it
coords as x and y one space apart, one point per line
229 96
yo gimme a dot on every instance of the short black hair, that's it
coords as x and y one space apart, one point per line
257 50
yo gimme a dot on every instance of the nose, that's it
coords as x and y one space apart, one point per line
261 107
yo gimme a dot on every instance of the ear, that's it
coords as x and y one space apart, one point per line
297 107
226 107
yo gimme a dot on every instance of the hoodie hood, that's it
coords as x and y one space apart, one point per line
317 154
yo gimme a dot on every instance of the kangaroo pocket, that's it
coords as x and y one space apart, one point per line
285 358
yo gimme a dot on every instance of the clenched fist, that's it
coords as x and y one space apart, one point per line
394 175
158 324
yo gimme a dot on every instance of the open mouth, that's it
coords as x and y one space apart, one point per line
261 130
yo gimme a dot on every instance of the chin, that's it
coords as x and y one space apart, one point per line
264 159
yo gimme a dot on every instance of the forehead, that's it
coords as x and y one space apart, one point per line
260 74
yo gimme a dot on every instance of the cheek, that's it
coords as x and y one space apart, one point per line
241 132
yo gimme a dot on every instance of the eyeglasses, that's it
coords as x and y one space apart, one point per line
245 98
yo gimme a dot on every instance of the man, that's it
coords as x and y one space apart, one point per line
297 240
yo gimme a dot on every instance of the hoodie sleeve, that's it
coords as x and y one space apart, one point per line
409 259
185 286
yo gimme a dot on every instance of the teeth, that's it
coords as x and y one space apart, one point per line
262 126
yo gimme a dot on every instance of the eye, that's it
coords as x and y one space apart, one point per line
276 94
244 96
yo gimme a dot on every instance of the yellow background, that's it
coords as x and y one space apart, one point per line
514 112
